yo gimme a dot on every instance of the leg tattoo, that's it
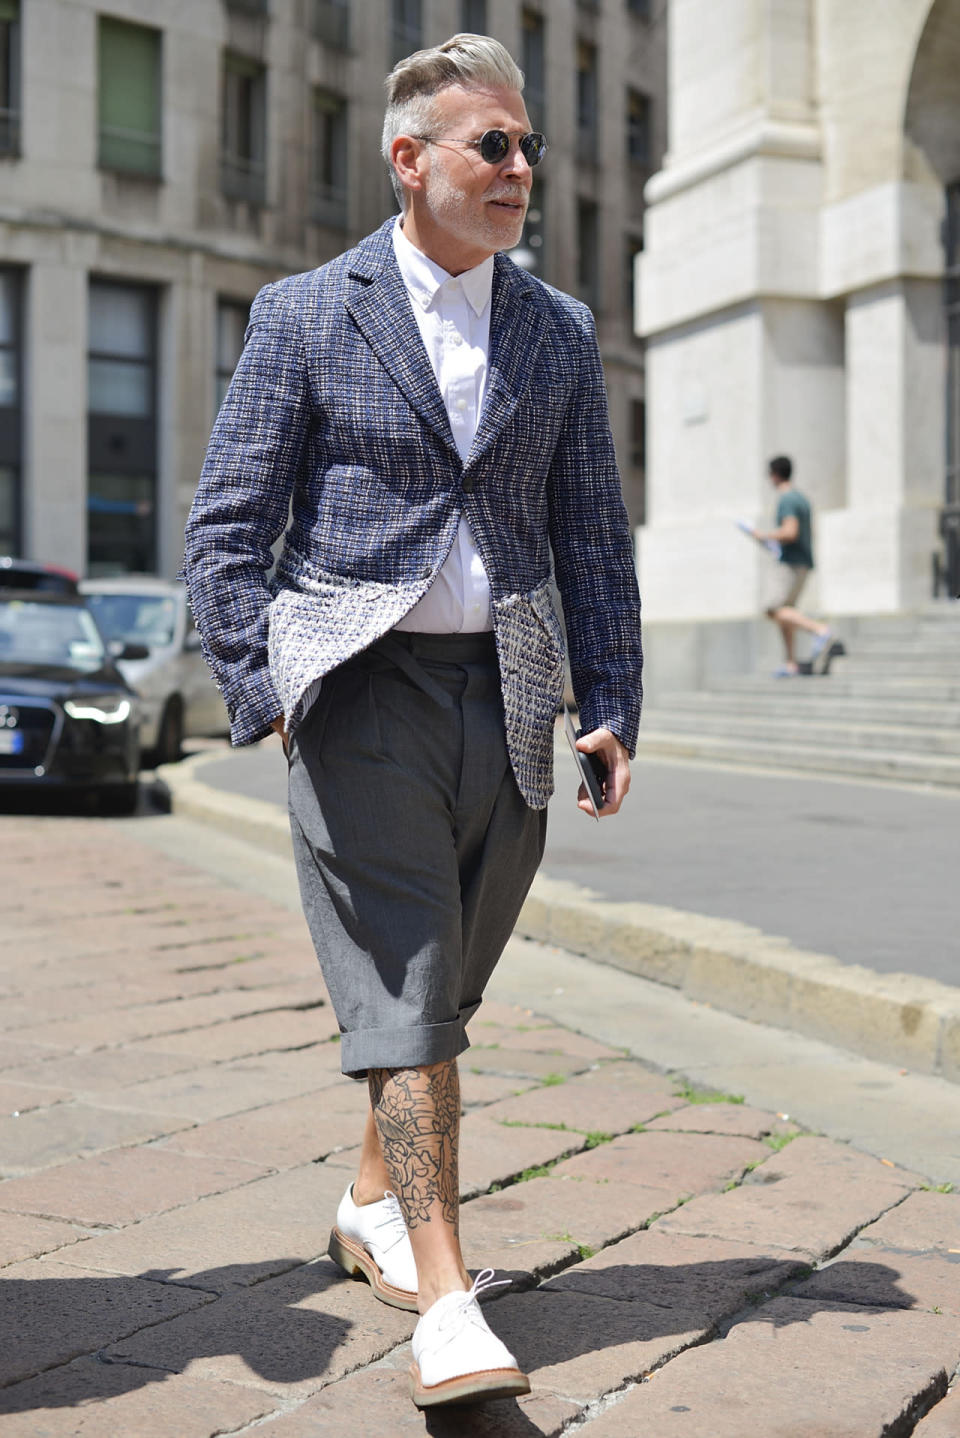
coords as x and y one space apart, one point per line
417 1113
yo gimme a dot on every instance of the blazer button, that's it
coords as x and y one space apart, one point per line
467 484
426 572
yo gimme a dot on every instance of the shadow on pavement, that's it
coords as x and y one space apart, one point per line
276 1325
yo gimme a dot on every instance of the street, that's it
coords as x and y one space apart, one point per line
177 1135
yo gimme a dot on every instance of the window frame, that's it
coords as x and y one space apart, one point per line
588 97
108 158
533 53
244 177
328 197
406 33
12 415
330 22
10 114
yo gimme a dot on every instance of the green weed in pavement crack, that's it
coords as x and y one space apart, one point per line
596 1138
549 1080
691 1094
777 1141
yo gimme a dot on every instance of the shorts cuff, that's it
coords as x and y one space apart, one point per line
402 1048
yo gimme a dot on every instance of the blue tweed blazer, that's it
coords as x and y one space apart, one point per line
334 433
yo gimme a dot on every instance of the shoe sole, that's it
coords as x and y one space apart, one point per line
479 1387
354 1259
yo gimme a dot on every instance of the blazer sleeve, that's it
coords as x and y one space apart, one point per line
241 509
593 557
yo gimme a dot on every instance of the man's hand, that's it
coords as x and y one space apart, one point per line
617 782
279 724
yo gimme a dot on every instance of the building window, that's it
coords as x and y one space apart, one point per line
473 16
129 98
9 77
587 122
406 28
638 459
328 170
638 128
232 319
330 22
533 64
244 136
640 8
588 254
122 429
10 410
589 5
249 7
952 294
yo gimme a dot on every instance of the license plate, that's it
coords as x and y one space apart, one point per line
11 741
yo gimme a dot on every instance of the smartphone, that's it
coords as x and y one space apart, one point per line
591 767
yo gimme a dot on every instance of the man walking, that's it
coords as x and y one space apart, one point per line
434 421
794 535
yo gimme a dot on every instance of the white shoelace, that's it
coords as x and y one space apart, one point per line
464 1309
393 1220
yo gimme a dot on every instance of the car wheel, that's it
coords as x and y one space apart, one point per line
119 801
170 738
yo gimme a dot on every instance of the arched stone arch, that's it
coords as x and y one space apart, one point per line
931 125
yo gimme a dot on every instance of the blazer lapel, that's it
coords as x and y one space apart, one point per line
516 334
382 311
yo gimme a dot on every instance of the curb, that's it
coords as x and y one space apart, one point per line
901 1019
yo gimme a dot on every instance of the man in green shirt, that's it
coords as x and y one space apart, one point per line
794 535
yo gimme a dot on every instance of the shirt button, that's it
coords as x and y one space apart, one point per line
461 405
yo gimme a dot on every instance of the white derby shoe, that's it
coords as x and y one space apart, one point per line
456 1357
371 1240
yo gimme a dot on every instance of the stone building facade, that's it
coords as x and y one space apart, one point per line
161 160
796 296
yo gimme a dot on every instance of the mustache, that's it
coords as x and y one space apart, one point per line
512 197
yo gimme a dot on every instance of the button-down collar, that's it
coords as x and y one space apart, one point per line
424 279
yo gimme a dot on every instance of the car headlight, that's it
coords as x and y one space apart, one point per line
104 708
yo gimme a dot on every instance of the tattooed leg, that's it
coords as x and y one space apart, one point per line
417 1117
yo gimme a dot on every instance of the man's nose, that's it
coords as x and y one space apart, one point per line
516 163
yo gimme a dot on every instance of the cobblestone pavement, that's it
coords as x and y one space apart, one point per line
176 1135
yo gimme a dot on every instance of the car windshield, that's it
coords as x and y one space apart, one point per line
54 634
149 619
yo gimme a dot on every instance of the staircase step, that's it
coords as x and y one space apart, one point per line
797 705
858 764
759 729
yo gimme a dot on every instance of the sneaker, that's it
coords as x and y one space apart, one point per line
456 1359
371 1241
820 643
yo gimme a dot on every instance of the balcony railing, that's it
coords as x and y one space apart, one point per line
328 206
330 23
242 178
132 152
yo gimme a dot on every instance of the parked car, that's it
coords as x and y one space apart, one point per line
68 718
26 574
178 695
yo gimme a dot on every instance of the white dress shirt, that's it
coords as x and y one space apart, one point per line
453 316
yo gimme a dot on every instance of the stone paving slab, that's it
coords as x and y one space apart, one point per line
923 1221
90 1399
52 1313
375 1403
230 1240
290 1335
593 1102
41 1138
24 1236
678 1163
805 1373
943 1420
163 1307
124 1186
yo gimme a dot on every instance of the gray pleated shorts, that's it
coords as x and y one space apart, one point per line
414 847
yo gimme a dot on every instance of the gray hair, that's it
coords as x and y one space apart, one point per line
469 60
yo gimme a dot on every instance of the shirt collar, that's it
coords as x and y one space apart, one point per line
423 278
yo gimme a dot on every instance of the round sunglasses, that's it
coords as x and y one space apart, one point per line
494 145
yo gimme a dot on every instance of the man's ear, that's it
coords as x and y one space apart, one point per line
409 158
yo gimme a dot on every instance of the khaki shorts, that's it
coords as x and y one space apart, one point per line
784 585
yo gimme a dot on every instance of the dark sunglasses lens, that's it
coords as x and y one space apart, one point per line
533 147
494 146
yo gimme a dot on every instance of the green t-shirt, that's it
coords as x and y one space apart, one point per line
800 551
